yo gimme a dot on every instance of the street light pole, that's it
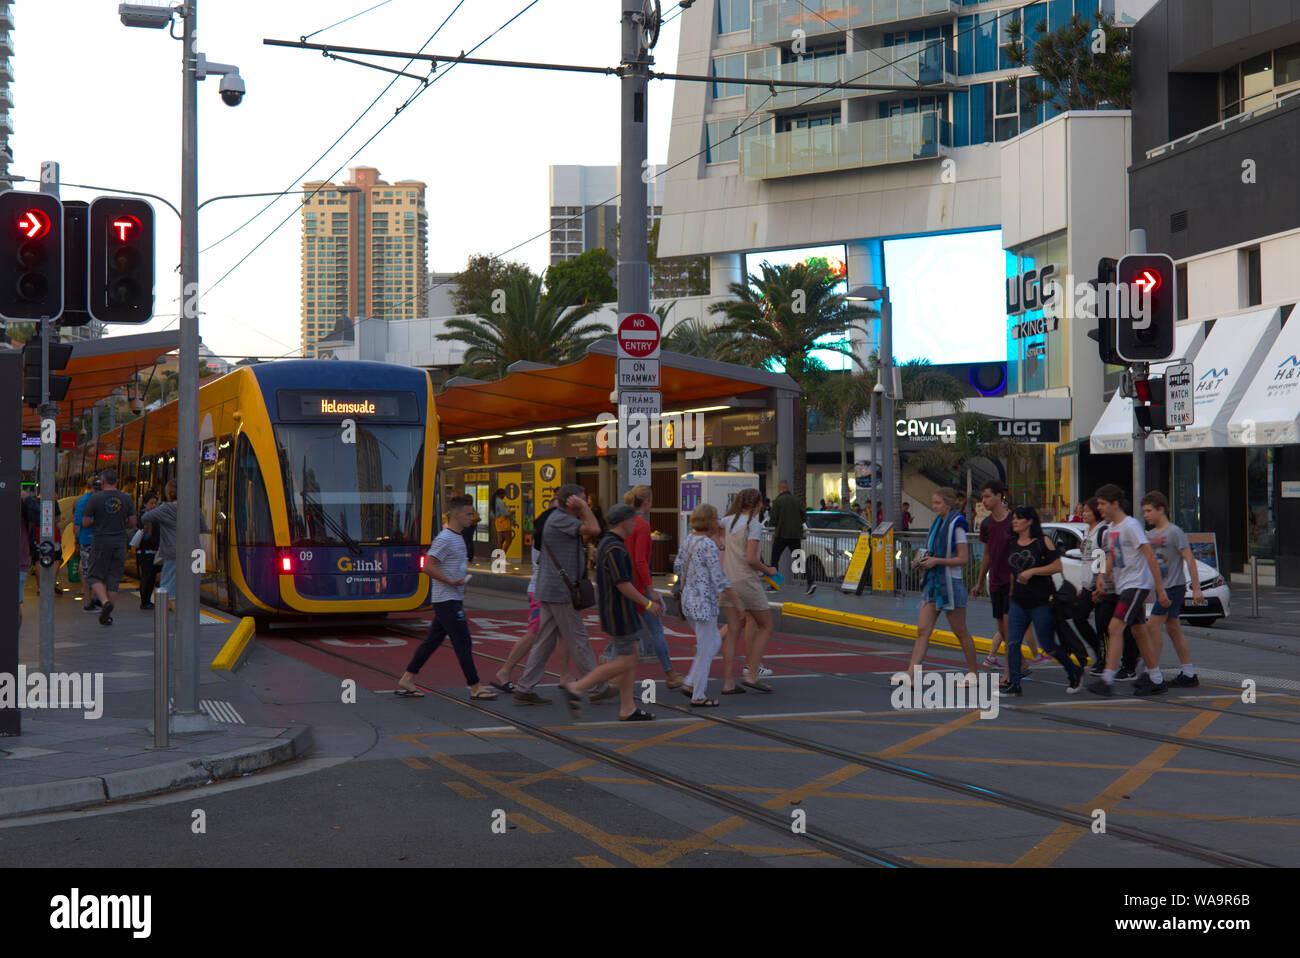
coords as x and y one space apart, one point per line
188 717
887 402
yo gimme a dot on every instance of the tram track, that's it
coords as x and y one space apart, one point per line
841 847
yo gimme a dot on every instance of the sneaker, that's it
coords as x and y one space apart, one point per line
1098 668
812 587
610 693
991 662
1076 680
92 606
1100 687
1124 674
1184 681
1151 688
762 670
1142 682
106 614
146 606
1006 688
530 698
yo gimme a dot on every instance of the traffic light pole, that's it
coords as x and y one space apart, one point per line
633 267
46 574
188 718
1137 243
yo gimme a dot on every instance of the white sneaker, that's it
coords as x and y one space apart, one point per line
763 671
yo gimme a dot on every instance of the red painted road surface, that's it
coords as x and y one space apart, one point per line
494 633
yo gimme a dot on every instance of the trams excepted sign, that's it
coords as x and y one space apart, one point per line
1179 400
638 336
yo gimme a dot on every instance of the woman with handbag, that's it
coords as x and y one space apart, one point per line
145 542
700 581
943 589
1034 560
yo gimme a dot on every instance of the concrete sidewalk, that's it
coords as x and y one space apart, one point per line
64 758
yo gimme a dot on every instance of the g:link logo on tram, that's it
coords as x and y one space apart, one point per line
360 565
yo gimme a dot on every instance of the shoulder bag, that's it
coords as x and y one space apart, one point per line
681 581
582 592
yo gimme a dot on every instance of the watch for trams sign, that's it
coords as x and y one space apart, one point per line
638 336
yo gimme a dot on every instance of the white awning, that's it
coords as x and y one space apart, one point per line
1114 430
1228 362
1269 412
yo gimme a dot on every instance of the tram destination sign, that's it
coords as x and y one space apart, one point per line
313 405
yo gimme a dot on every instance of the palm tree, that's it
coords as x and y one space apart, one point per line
784 316
543 327
841 400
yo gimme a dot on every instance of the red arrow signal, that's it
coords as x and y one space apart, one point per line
1149 281
33 224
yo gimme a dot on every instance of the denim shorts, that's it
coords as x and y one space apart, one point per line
934 595
1177 594
167 578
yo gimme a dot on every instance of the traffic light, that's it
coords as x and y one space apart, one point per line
1148 309
121 245
60 353
1104 334
31 256
74 263
1149 404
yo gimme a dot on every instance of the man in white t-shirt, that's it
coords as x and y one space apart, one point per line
448 565
1132 563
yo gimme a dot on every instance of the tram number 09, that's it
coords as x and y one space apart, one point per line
304 556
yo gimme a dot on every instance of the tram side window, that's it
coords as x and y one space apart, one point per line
252 508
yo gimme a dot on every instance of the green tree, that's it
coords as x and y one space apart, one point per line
543 327
481 277
588 275
1084 65
841 400
783 316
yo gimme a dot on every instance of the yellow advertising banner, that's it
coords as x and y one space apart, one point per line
857 564
508 528
882 567
546 482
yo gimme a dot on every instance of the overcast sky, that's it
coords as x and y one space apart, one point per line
104 101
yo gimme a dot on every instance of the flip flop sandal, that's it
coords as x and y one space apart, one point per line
408 694
759 686
573 700
507 687
704 704
640 715
736 691
483 695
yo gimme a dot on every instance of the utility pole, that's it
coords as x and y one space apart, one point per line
892 496
188 718
49 451
633 265
1137 243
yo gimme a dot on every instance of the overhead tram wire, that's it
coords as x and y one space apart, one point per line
293 187
382 3
826 88
371 139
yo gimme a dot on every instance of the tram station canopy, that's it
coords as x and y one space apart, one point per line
98 366
532 394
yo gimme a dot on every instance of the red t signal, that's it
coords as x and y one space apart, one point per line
125 227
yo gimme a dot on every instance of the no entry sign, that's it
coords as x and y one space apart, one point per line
638 336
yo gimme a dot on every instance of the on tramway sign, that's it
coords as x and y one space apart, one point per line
638 374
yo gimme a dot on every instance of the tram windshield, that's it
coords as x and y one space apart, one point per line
349 494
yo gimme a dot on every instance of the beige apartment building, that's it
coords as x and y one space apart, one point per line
364 253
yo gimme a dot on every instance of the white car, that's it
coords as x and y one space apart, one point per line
1068 537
